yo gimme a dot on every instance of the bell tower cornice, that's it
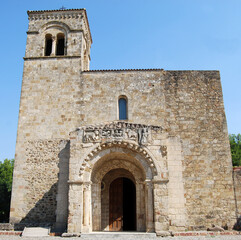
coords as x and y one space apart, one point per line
60 15
59 34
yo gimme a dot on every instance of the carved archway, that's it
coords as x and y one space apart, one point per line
140 153
99 149
115 156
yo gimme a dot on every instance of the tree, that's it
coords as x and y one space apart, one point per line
235 145
6 177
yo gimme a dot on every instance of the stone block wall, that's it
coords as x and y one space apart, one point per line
195 112
144 91
237 186
6 227
49 110
187 104
50 98
42 176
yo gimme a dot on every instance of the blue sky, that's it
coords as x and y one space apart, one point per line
169 34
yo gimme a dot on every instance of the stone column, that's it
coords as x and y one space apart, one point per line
54 43
96 206
75 210
161 217
140 206
87 216
149 206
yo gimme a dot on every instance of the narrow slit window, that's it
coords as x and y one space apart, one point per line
122 108
48 45
60 45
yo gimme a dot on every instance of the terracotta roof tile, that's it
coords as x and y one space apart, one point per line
117 70
57 10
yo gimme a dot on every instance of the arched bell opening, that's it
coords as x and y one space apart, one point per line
60 44
48 44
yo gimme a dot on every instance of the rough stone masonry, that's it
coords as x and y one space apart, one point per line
116 150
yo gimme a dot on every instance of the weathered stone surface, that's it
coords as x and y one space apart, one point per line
163 233
174 145
237 187
70 235
216 229
35 232
6 226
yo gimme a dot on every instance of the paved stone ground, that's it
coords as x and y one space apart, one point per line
233 237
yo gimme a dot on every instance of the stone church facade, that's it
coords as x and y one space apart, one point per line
116 150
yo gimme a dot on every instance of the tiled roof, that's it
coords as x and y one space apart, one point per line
117 70
59 10
148 69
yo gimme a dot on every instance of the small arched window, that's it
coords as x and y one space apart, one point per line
60 44
122 108
48 44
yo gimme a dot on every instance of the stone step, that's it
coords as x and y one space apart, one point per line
36 232
118 235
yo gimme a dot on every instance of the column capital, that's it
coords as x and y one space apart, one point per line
148 182
87 185
79 182
160 181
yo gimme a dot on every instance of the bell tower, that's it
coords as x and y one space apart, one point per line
57 52
59 34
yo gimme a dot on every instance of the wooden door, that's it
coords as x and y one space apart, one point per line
116 205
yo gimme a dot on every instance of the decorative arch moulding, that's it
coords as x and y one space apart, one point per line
142 151
55 24
122 144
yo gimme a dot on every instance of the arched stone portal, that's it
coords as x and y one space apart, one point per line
102 154
120 163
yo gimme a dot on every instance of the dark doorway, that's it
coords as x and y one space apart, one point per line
122 205
129 205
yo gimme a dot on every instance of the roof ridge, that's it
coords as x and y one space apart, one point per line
134 69
146 69
55 10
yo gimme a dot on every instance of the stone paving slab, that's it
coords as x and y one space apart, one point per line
226 237
36 232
